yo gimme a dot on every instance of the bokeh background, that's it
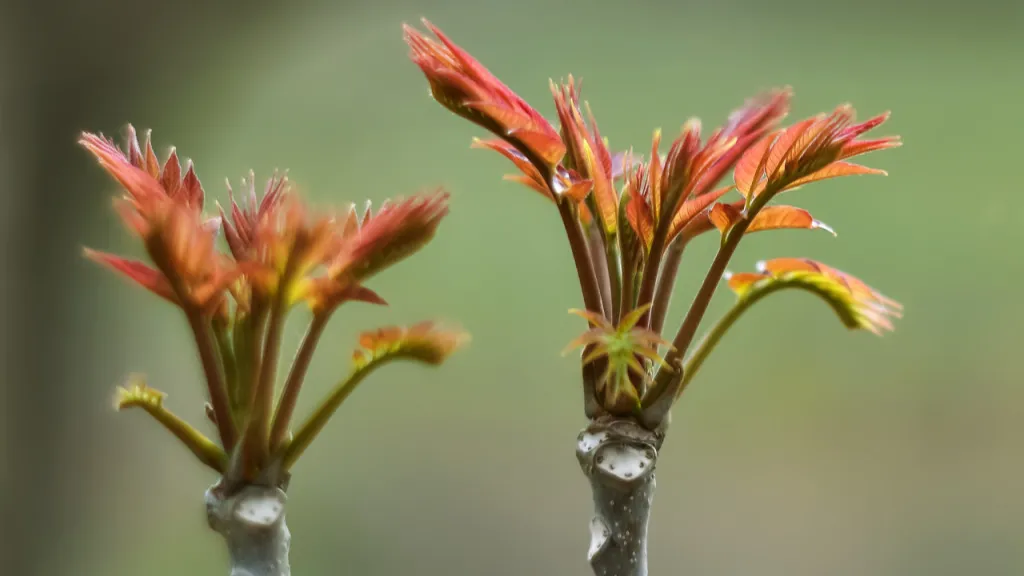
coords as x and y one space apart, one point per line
802 449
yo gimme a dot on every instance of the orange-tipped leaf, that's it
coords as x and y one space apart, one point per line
138 272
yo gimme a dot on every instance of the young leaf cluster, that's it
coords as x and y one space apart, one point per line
277 255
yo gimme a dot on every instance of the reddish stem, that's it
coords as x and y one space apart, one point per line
257 432
577 243
214 380
684 337
296 376
666 282
599 260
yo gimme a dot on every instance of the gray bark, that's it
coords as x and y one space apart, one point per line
252 522
619 457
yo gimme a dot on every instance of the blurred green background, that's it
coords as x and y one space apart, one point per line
802 449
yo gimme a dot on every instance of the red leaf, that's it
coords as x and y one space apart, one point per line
530 176
856 148
463 85
708 157
723 216
681 162
740 282
424 341
852 132
132 219
364 294
811 150
170 174
691 208
781 265
655 172
813 137
395 232
746 173
778 266
151 191
747 126
638 213
152 165
143 275
857 303
522 128
835 170
783 217
785 144
143 188
604 156
192 188
587 152
578 190
529 183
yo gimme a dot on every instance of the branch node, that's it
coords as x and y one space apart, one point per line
252 522
618 456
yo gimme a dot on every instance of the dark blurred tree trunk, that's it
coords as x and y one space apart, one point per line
67 66
48 95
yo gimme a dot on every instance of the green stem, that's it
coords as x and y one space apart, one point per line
309 429
714 336
204 449
224 346
599 260
614 277
296 376
254 351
